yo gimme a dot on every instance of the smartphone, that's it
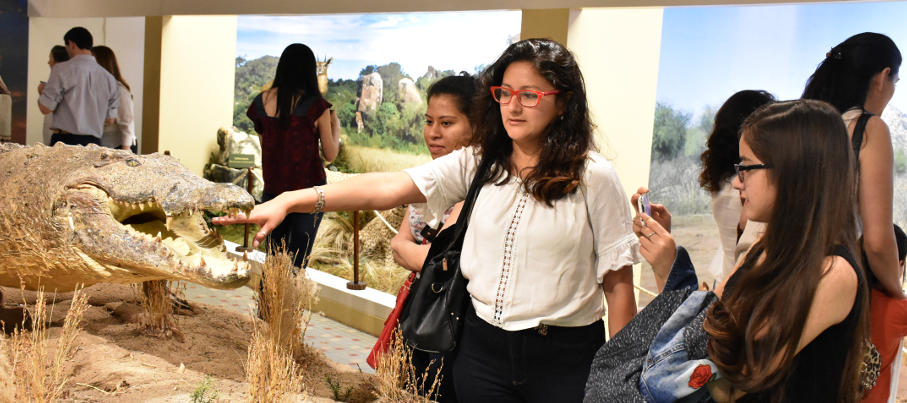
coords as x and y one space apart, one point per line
643 205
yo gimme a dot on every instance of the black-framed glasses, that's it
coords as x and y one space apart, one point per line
527 98
740 169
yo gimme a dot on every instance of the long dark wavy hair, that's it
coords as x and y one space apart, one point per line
567 140
844 76
755 328
296 77
721 151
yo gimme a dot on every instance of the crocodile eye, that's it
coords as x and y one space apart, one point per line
132 162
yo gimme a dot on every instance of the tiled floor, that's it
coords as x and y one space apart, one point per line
340 343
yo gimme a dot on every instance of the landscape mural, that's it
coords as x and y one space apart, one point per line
377 69
13 68
709 53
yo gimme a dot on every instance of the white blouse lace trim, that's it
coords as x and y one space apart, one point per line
529 263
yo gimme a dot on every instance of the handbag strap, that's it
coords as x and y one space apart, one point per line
466 210
857 138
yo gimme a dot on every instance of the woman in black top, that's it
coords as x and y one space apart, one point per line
790 320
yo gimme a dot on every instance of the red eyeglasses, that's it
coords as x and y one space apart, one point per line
527 98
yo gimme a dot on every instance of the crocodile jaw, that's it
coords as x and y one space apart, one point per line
140 238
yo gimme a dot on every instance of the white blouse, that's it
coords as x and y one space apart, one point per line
527 263
122 131
726 208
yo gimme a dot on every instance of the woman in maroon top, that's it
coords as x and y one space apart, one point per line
290 118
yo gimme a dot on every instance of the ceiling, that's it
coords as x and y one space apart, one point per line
122 8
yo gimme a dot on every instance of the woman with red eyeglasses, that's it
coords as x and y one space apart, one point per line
549 235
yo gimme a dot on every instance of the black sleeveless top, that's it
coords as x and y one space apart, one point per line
818 367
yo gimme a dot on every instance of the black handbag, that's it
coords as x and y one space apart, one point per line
433 316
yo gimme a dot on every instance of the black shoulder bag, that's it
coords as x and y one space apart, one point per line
433 316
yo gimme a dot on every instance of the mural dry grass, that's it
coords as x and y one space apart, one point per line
276 358
370 159
333 250
37 372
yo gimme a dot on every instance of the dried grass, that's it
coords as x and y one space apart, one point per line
7 384
398 380
277 351
159 320
39 374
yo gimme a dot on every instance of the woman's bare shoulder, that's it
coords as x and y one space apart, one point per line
837 288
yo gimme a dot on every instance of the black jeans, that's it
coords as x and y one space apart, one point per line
297 232
429 366
74 139
533 365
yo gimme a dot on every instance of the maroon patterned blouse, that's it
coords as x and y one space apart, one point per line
290 158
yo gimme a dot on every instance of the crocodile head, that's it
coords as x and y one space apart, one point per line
127 218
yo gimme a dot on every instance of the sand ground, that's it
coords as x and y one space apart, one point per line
116 361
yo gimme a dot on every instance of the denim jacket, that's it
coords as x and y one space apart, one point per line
677 366
655 355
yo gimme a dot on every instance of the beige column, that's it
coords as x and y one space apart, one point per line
152 97
190 62
551 23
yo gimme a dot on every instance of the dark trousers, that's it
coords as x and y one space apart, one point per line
429 366
532 365
296 233
74 139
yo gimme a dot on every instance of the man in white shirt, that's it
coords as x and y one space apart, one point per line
80 93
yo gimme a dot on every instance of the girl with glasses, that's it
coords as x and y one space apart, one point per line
550 233
788 324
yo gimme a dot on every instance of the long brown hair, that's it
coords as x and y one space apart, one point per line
108 61
755 329
568 139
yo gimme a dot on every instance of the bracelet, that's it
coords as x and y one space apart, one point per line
319 204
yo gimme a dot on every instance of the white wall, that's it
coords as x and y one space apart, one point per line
125 35
618 51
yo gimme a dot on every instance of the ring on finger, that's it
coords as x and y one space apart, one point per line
649 235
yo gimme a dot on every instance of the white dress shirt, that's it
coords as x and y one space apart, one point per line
528 263
726 208
81 95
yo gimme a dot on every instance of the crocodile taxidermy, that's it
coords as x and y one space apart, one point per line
72 215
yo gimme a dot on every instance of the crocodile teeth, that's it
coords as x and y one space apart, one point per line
158 237
202 262
169 222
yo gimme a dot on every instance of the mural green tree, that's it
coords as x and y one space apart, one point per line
670 132
251 75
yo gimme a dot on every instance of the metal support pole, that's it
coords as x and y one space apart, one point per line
356 284
245 240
